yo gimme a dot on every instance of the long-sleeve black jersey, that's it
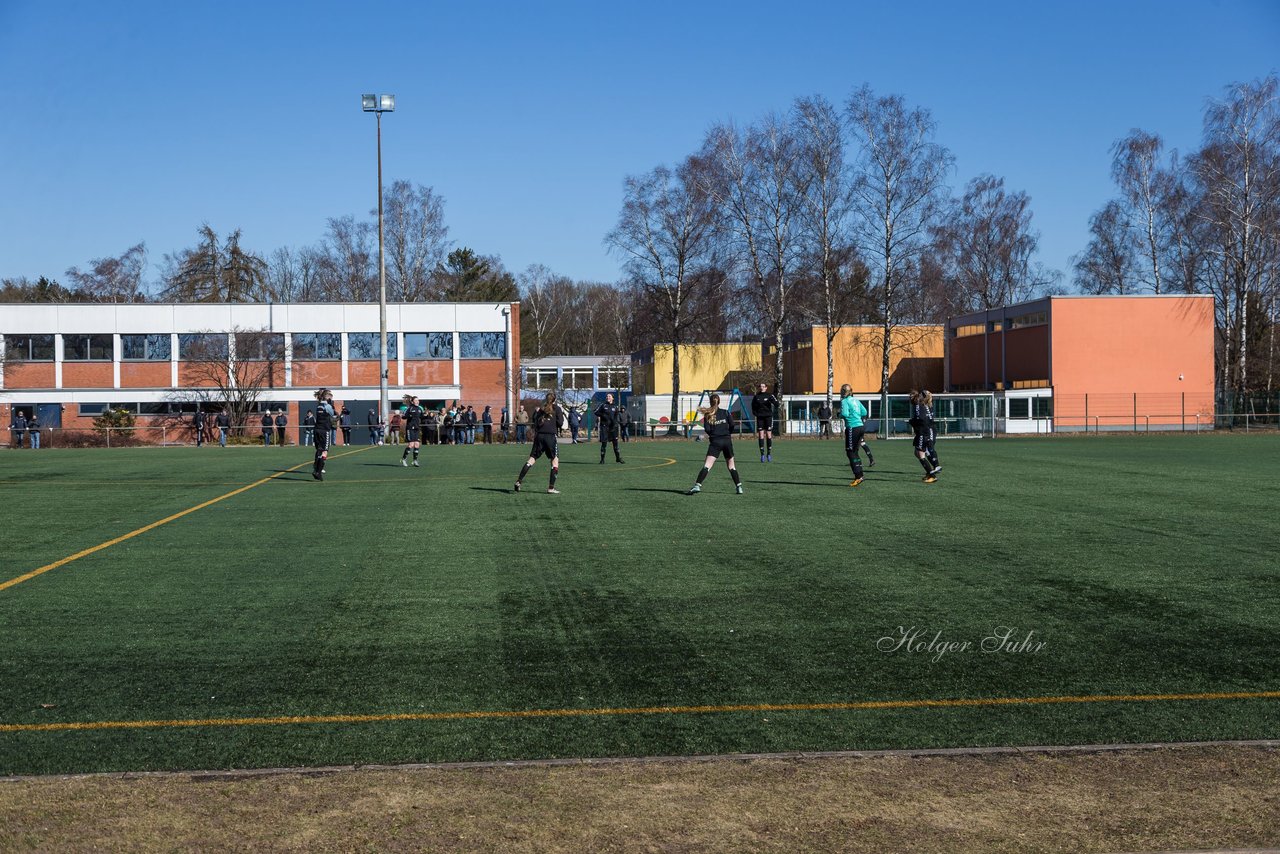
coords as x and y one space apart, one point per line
413 417
764 406
921 416
324 417
607 416
718 424
548 424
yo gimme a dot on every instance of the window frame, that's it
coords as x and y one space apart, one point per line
70 342
331 337
147 342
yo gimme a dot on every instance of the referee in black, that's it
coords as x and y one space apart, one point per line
607 424
764 407
413 414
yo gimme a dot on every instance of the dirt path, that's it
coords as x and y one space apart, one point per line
1141 800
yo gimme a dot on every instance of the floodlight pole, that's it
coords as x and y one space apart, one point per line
378 104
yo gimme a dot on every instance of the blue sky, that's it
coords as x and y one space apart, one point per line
127 122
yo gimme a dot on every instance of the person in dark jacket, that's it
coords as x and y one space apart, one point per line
223 422
33 432
267 427
486 421
321 433
824 420
17 427
764 407
923 436
308 427
282 422
575 421
546 429
624 422
197 423
718 424
344 422
607 425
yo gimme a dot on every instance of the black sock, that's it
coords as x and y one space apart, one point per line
523 471
933 457
702 475
768 446
853 461
857 468
867 448
415 455
928 466
554 471
405 455
761 441
737 481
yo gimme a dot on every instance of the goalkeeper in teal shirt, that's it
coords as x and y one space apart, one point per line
853 413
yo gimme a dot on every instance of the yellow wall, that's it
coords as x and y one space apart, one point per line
915 361
702 367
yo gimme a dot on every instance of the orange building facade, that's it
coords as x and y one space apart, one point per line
1090 362
915 360
67 363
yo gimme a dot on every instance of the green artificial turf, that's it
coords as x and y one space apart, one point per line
1145 565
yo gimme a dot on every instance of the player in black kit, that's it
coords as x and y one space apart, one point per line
764 406
320 433
546 429
607 424
923 438
719 426
413 415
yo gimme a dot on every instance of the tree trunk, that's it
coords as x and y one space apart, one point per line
675 387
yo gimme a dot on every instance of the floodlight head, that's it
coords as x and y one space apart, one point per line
386 103
369 103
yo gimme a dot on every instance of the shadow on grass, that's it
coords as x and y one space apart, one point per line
492 489
654 489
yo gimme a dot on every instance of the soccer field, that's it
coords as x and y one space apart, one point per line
235 613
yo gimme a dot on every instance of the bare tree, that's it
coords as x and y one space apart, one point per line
232 370
986 245
759 181
293 276
665 235
213 273
545 311
1238 172
416 240
1108 265
839 275
1142 183
117 279
348 262
898 187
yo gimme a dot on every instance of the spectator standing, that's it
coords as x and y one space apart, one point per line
824 420
486 419
33 432
522 423
574 423
197 422
282 421
371 419
431 423
17 427
473 423
223 422
267 426
504 425
308 427
395 427
624 422
344 422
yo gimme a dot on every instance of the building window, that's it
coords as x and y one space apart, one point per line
87 348
1042 407
483 345
578 378
317 346
540 378
1029 384
364 345
428 345
615 378
260 346
995 326
145 348
202 347
1019 408
968 329
92 408
1035 318
29 348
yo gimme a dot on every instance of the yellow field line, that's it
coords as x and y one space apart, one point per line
120 539
642 710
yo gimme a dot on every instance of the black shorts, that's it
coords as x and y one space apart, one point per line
923 439
720 445
412 435
853 438
544 445
764 422
607 436
321 438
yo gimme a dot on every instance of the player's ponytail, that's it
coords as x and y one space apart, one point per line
549 404
322 394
